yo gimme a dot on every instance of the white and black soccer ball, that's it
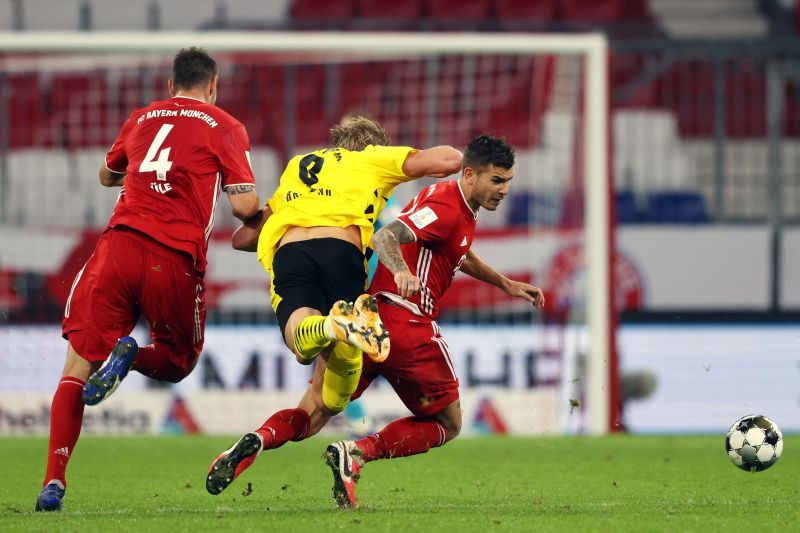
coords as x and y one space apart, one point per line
754 443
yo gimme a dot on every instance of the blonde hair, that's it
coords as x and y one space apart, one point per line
356 133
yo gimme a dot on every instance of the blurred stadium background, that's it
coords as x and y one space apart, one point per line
703 143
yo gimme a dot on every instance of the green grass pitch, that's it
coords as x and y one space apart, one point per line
618 483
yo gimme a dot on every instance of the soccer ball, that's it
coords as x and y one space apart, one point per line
754 443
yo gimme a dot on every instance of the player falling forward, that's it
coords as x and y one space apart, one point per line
171 158
419 253
321 223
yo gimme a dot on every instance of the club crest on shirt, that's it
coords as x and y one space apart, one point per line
423 217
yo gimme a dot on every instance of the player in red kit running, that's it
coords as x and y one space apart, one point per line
420 253
172 159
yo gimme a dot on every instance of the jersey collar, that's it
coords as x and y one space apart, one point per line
189 97
474 212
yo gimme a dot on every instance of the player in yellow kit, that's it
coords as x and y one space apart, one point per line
318 226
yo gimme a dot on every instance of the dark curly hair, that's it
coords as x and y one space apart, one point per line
485 150
192 67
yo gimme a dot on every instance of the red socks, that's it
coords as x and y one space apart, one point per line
283 426
66 416
154 362
407 436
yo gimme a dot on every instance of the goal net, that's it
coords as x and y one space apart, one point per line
63 98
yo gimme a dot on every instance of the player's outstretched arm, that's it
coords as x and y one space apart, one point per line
438 162
386 243
475 267
109 178
245 238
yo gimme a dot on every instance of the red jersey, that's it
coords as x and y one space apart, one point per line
443 225
178 154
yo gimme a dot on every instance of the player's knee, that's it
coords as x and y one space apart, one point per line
302 360
175 374
452 428
450 420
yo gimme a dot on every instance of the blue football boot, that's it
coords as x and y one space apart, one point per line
105 381
50 498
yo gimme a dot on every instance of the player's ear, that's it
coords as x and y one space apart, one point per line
470 175
212 89
171 87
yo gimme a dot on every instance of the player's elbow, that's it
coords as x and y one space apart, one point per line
245 239
109 178
302 360
243 213
451 160
243 246
439 161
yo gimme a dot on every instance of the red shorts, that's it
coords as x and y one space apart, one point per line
127 274
418 368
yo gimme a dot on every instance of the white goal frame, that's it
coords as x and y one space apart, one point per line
592 47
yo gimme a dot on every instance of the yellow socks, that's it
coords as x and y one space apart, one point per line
310 337
344 364
341 376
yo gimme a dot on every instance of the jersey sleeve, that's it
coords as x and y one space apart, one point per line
116 158
387 162
234 157
431 220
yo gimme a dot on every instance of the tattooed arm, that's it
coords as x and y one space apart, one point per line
386 243
244 199
109 178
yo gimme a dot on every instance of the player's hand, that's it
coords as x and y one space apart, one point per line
528 292
407 283
245 237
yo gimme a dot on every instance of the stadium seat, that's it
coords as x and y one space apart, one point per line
405 11
454 11
531 209
688 89
266 104
676 207
649 153
79 109
625 67
593 10
49 169
314 112
322 13
26 112
525 11
626 209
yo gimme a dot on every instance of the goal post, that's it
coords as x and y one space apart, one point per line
591 50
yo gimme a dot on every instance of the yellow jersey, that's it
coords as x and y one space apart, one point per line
332 187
